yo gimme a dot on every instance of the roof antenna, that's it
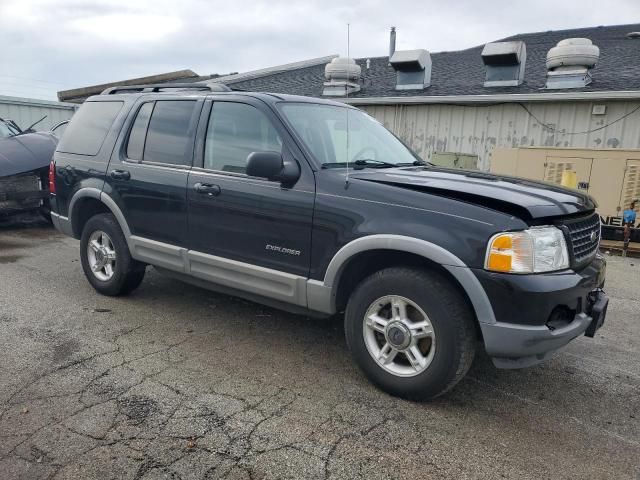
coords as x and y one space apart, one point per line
346 180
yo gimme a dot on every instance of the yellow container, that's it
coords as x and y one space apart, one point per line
569 179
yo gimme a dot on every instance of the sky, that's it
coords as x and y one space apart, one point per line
51 45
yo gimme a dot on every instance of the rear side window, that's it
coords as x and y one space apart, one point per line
168 139
88 128
135 146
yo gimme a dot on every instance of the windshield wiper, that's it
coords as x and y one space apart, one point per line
363 162
415 163
370 162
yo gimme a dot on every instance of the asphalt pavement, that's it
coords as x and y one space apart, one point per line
177 382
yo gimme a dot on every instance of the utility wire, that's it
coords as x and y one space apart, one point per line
545 125
556 130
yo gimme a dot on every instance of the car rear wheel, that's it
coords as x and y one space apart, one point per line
411 332
105 257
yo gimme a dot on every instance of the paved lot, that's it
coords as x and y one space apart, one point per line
178 382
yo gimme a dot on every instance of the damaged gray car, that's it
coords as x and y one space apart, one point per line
25 156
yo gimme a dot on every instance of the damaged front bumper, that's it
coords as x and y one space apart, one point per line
22 192
539 314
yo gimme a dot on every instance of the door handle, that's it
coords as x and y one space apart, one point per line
207 189
120 175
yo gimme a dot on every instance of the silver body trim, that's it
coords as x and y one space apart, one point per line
258 280
158 253
62 224
316 295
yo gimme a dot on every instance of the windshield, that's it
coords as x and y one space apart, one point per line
7 130
336 135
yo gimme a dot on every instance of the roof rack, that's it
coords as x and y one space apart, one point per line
216 87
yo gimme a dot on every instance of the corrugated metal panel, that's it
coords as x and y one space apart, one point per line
26 111
477 130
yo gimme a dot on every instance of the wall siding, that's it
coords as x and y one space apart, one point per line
478 130
26 114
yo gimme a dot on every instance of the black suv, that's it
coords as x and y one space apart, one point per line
314 207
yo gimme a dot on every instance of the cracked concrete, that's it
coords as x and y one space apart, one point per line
177 382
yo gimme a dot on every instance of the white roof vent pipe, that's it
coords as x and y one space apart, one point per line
504 63
569 63
343 77
413 69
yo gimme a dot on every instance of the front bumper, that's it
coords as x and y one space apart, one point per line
21 193
541 313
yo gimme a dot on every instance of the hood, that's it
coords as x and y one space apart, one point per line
526 199
26 152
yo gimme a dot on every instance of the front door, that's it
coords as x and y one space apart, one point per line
246 224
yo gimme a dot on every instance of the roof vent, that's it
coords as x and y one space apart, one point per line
569 62
392 41
343 75
633 35
413 69
504 63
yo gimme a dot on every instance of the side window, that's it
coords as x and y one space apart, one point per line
235 130
135 145
168 136
89 127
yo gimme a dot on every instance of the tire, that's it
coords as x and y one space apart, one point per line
125 274
447 346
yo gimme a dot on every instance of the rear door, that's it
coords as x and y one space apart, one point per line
147 176
245 219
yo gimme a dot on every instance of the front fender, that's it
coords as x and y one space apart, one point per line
321 295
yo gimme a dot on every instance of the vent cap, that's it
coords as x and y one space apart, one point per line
413 69
504 63
569 62
343 76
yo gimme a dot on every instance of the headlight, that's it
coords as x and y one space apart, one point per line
538 249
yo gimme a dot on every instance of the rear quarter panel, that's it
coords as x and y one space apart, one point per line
76 172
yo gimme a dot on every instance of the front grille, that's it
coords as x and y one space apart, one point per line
583 235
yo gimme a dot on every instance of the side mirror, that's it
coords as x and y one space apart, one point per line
270 165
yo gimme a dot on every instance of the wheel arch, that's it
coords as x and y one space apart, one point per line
380 251
88 202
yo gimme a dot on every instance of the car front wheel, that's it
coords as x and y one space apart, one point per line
411 332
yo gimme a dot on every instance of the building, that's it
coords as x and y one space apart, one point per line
27 111
467 102
79 95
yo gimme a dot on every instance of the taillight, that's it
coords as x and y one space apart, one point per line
52 177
